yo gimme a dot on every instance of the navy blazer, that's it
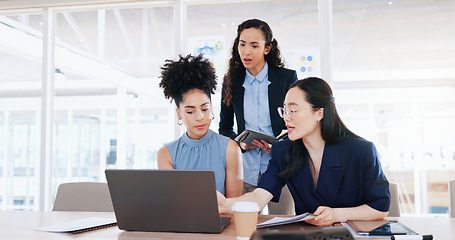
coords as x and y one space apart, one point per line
280 78
350 176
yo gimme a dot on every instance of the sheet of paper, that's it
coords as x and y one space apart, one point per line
78 225
285 220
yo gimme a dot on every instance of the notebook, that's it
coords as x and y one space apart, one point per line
80 225
165 200
247 136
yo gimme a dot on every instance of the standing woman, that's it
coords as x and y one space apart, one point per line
190 81
253 88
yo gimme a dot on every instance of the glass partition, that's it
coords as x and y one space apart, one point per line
106 67
393 80
394 73
20 116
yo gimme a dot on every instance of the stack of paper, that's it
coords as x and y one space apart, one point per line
285 220
80 225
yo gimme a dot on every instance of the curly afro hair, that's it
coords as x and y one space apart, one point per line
187 73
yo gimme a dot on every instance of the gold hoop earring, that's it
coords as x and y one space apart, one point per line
180 122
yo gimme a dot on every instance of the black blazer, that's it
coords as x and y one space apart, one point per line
280 78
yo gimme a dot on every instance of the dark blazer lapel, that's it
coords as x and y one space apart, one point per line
330 175
306 193
275 100
237 102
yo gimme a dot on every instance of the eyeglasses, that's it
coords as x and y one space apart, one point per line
284 111
290 113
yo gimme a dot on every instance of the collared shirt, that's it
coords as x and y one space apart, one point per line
257 118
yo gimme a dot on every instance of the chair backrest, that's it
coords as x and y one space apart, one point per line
452 198
285 206
83 196
394 210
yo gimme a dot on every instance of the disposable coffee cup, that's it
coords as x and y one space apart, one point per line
245 219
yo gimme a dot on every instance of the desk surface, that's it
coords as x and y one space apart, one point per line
16 225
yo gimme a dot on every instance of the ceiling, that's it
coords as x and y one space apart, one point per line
21 4
406 43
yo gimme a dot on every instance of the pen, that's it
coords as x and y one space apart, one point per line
412 237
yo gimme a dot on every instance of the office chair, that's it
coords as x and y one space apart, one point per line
83 196
394 210
452 198
285 206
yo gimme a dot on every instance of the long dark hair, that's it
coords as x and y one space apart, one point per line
319 94
236 67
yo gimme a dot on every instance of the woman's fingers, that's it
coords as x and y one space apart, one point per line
263 145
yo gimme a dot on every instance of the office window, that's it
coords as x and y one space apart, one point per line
134 40
394 75
393 78
20 88
106 98
113 80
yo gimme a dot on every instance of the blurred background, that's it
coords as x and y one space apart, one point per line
393 80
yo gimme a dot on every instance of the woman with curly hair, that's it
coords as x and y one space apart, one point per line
190 81
253 88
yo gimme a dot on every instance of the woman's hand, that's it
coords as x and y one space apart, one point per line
245 146
325 217
221 202
263 145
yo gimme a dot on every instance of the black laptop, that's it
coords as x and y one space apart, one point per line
165 200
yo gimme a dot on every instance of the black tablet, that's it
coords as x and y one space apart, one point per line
381 228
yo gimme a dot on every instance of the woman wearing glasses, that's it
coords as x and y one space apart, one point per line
253 88
190 81
329 170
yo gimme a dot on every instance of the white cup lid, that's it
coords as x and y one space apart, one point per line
245 207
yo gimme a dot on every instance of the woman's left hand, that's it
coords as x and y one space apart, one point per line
263 145
221 202
325 217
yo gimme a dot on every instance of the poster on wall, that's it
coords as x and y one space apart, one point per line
211 47
305 61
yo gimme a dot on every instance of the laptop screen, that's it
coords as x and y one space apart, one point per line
165 200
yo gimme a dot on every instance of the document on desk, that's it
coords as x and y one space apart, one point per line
286 220
81 225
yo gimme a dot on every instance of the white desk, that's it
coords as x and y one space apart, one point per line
19 225
15 225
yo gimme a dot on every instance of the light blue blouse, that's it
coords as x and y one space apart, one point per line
206 153
257 118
